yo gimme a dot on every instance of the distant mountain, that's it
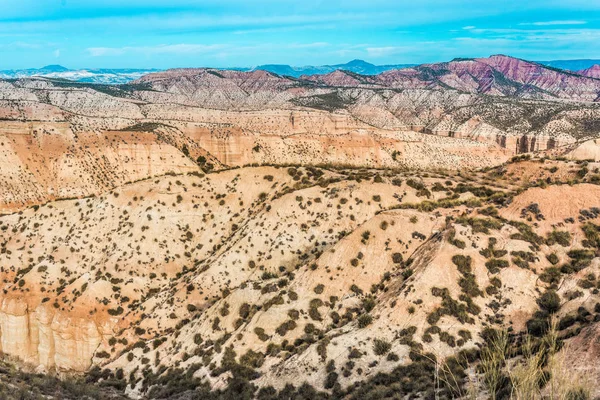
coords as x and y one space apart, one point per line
105 76
121 76
51 69
591 72
360 67
356 66
571 65
497 75
364 68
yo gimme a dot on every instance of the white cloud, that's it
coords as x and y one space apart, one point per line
217 50
553 23
21 46
535 44
182 48
308 45
385 51
194 22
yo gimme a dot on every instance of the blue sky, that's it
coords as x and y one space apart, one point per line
185 33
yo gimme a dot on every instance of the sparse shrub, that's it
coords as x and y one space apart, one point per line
552 258
116 311
356 290
198 339
364 320
260 332
381 347
463 263
289 325
563 238
244 310
191 308
494 265
368 304
549 301
331 380
355 353
314 314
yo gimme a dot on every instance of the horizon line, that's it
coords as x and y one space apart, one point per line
231 67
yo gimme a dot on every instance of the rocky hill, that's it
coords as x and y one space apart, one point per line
286 275
591 72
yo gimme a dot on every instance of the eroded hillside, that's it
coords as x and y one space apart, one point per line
61 139
289 275
224 234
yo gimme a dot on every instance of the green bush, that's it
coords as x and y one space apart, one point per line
551 275
563 238
469 286
552 258
480 225
381 347
494 265
463 263
364 320
549 301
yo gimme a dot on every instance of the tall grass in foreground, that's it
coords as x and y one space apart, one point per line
493 360
539 372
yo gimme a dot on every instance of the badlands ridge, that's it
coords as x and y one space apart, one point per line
203 233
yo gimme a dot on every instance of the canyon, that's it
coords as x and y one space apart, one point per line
199 231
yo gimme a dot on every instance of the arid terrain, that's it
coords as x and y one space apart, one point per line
223 234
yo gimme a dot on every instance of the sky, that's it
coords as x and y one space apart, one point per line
245 33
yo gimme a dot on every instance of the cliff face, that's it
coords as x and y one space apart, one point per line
356 148
588 150
46 161
54 340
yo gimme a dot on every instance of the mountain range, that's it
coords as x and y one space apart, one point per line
121 76
356 66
